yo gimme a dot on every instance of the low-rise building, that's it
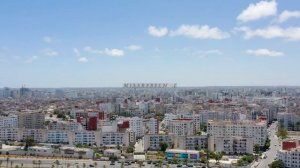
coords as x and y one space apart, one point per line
182 154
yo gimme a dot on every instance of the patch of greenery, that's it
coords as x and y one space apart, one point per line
277 164
282 133
245 160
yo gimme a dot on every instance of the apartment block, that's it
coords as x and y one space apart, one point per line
181 127
31 120
244 128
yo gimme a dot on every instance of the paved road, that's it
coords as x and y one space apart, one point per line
272 152
48 163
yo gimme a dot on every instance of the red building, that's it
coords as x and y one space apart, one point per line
101 116
286 145
92 123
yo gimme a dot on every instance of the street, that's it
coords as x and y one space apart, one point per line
271 153
63 163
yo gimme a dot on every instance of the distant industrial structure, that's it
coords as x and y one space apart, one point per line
149 85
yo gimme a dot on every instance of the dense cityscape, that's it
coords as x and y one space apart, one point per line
149 84
150 125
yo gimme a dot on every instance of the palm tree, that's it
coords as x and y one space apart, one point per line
0 163
39 162
22 165
83 165
57 163
7 159
33 162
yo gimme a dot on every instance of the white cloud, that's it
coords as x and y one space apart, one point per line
204 53
259 10
50 52
157 31
134 47
31 59
113 52
200 32
211 52
92 50
290 33
285 15
77 52
83 59
110 52
47 39
265 53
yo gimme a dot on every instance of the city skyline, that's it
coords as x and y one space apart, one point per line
192 43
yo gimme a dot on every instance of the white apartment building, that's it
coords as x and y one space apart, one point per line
87 137
168 117
9 134
114 138
106 107
234 145
181 127
244 128
10 121
58 136
31 119
290 121
152 141
152 126
290 158
190 142
144 107
136 125
38 135
65 125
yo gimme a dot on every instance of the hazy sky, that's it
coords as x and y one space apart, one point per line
106 43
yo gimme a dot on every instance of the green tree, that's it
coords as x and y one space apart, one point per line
130 149
256 148
7 160
203 128
218 156
282 133
29 141
277 164
57 163
197 147
163 146
203 160
33 163
39 163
